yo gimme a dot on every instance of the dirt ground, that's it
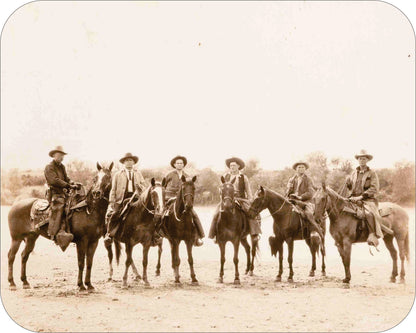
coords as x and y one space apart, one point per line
259 304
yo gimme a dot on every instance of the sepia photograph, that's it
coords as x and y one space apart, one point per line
207 166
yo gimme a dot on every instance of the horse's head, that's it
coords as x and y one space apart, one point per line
227 194
187 192
259 202
102 182
157 197
321 200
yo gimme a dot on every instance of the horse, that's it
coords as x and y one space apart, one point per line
178 226
86 224
287 227
345 229
139 227
232 227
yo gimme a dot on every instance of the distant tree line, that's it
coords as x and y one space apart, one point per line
396 184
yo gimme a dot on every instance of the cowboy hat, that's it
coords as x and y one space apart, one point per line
237 160
179 157
300 163
58 149
363 153
129 155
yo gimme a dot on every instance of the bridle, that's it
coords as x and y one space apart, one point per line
276 211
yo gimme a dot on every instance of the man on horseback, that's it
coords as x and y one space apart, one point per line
243 196
125 183
173 185
299 191
59 183
364 185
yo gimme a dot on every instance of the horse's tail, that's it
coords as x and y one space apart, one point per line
406 247
117 247
273 245
257 247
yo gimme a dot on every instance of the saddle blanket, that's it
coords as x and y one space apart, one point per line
39 212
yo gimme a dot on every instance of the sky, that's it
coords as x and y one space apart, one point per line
273 81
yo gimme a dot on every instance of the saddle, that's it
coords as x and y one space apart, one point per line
358 212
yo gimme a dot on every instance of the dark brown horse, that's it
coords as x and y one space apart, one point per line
178 226
232 227
87 226
139 227
345 229
287 227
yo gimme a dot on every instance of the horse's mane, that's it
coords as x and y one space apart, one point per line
142 197
274 193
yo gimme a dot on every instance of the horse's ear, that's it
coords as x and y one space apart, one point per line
193 179
99 167
163 182
261 189
183 178
111 166
324 186
222 179
153 181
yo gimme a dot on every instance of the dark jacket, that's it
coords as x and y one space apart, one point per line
369 184
56 177
173 183
301 186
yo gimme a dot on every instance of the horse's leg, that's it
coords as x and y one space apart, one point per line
280 250
175 260
191 262
129 260
235 260
145 260
14 247
90 257
313 253
323 252
402 252
290 259
136 273
110 260
159 255
246 246
346 259
254 246
388 240
30 244
81 251
222 260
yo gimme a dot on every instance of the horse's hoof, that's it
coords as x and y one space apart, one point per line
90 288
26 286
323 273
109 279
157 273
251 273
246 272
220 280
278 279
13 288
347 281
290 280
124 286
137 278
393 280
402 280
311 273
147 284
237 282
195 283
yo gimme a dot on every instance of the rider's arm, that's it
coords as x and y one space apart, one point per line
372 191
112 197
289 187
248 188
309 190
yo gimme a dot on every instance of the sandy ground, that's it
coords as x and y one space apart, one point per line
259 304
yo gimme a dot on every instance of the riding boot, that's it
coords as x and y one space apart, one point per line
372 238
63 238
199 229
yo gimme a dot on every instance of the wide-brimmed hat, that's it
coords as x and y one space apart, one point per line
363 153
300 163
57 149
129 155
237 160
179 157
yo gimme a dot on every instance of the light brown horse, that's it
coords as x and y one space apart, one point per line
87 226
344 228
